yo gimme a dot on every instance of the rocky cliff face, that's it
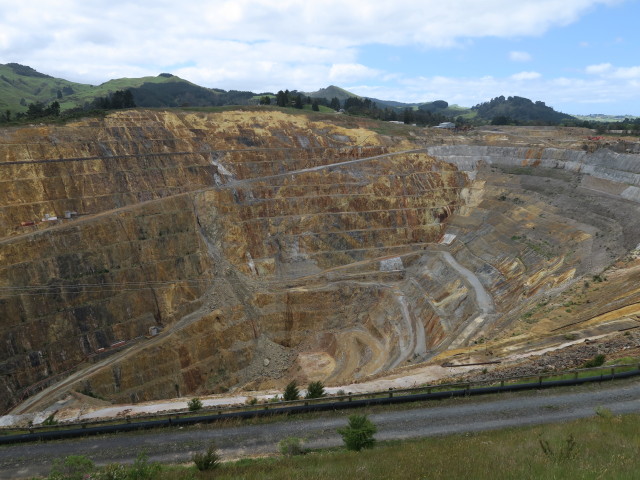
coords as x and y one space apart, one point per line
264 247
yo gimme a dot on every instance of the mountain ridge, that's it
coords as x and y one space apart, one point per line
21 85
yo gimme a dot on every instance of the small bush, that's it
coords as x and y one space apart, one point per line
315 390
291 391
596 361
208 460
74 467
291 446
194 404
358 434
251 401
142 469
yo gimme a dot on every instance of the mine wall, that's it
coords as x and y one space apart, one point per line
244 249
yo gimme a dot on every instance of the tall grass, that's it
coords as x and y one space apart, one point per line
596 447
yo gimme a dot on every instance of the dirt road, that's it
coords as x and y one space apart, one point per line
429 419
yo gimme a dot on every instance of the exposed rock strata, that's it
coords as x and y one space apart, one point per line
269 247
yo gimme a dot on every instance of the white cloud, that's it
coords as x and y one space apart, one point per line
599 68
519 56
627 73
266 45
526 76
350 72
154 34
606 70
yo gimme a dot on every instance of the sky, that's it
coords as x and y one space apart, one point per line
578 56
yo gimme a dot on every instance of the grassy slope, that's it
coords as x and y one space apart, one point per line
44 89
14 87
603 446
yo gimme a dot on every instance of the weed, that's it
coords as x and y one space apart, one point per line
568 450
604 412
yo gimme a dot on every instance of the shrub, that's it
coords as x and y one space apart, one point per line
291 446
291 391
74 467
596 361
142 469
194 404
207 460
315 390
358 434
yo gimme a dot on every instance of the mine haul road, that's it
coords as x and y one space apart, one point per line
460 415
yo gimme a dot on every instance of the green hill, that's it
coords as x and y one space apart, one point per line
21 85
519 110
332 92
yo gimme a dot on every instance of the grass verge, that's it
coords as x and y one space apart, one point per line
602 446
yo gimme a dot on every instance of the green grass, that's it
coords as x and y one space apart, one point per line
602 446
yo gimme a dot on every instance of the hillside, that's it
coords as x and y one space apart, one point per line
21 85
519 110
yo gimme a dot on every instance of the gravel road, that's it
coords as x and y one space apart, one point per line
427 419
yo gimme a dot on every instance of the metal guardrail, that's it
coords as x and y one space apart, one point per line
427 392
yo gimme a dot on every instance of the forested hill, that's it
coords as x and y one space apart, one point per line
518 110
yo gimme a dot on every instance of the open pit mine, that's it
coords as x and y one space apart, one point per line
157 254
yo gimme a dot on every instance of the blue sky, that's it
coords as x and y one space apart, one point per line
579 56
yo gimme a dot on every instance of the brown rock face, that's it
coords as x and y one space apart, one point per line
246 248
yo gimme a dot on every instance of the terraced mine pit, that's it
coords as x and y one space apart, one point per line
199 253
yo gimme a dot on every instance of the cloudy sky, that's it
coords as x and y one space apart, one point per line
579 56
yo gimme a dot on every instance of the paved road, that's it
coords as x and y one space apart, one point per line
453 416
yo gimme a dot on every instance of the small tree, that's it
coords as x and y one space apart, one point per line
359 433
194 404
315 390
291 391
208 460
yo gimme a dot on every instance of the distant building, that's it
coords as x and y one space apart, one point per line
448 125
